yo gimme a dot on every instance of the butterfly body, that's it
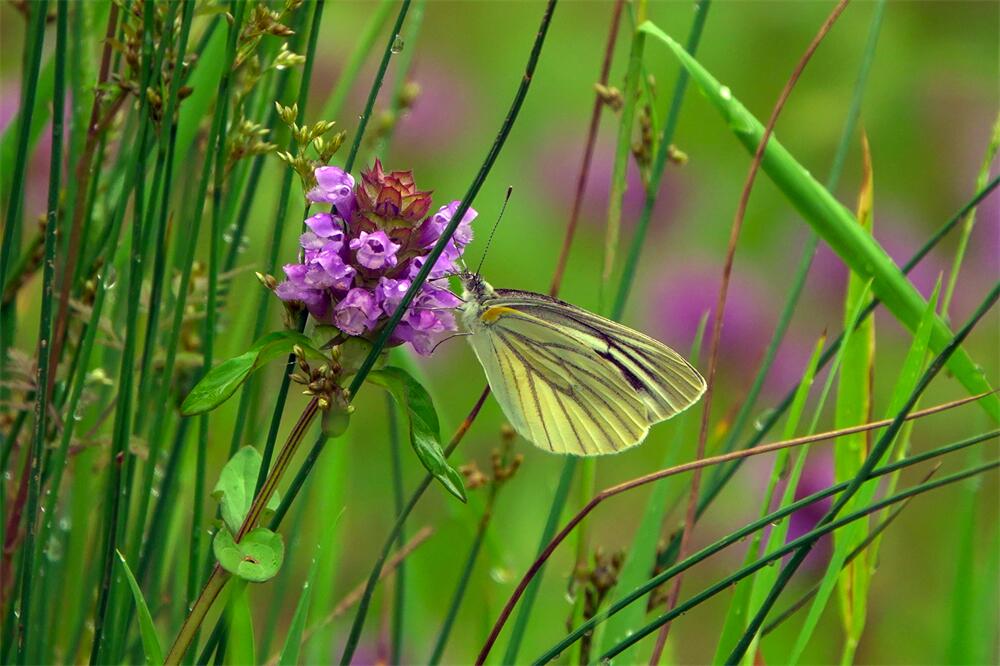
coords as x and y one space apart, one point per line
568 380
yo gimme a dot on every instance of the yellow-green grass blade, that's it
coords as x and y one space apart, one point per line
833 222
150 642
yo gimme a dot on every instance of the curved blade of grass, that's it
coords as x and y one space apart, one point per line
738 606
239 627
640 558
908 377
150 641
293 640
873 458
832 221
809 537
736 537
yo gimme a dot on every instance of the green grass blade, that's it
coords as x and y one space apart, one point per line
641 556
293 640
741 602
531 592
832 222
150 641
239 628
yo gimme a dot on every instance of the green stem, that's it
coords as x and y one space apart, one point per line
805 539
390 47
737 536
32 62
27 646
399 590
863 473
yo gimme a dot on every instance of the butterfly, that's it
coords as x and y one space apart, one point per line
568 380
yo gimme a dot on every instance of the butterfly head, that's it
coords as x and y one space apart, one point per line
476 288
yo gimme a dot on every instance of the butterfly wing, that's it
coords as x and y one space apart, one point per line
573 382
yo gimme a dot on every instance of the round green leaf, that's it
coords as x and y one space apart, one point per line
256 558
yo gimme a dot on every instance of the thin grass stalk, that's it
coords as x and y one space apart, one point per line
379 17
85 183
809 537
678 469
117 495
870 461
390 47
739 535
970 219
32 62
265 298
463 581
216 144
403 62
27 648
588 150
168 145
701 8
720 307
399 588
279 402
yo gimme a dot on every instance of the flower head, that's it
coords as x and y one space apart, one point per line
359 260
391 199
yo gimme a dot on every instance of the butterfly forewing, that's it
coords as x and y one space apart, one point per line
573 382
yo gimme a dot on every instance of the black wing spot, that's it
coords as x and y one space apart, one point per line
637 384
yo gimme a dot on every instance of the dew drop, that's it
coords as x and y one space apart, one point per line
725 93
501 575
762 419
78 413
65 524
397 45
110 278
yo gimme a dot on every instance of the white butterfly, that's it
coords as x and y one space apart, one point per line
568 380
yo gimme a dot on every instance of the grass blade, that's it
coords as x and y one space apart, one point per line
150 642
833 222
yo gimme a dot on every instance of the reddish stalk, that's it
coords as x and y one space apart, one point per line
84 171
588 151
719 311
694 465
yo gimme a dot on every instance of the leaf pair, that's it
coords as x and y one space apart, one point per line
258 556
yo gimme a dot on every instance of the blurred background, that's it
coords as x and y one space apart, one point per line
928 111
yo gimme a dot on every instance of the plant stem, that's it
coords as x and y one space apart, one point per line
26 647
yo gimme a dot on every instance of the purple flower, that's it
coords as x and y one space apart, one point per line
341 275
359 260
357 312
375 250
434 226
389 293
334 186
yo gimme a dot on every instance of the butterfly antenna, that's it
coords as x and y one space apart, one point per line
510 189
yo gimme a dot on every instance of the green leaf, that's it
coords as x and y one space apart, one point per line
150 643
256 558
416 403
236 486
834 223
221 382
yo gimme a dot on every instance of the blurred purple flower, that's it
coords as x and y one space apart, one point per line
355 270
682 295
558 170
817 475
